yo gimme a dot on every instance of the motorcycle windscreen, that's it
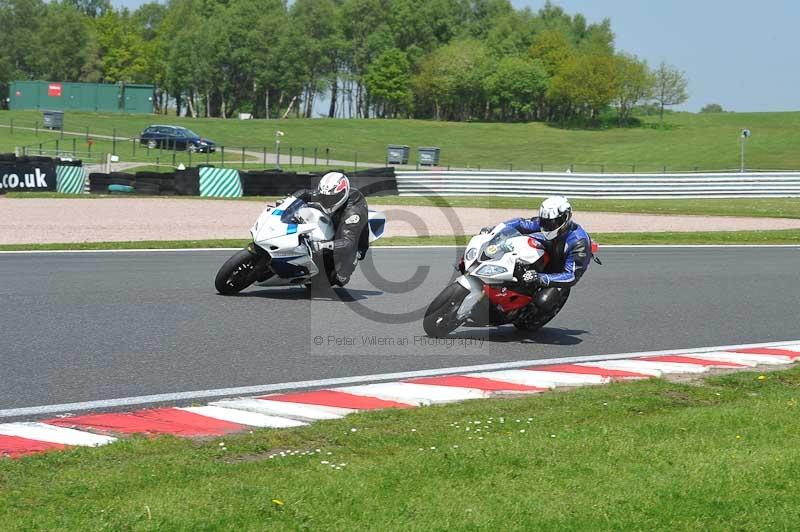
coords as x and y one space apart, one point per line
494 249
289 214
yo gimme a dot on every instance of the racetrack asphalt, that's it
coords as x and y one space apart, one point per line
93 326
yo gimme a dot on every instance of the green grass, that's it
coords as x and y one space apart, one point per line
689 141
718 455
756 207
787 236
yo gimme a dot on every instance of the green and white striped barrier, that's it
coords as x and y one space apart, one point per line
70 179
220 183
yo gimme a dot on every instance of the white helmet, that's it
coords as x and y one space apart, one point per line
332 191
555 214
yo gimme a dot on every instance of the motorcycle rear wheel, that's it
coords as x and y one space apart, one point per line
440 317
237 273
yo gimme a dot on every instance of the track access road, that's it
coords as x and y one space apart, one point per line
98 325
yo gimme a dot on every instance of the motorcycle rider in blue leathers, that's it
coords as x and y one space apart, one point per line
569 248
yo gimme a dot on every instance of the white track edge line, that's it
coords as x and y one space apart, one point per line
338 381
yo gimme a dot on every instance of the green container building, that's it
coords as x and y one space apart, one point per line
100 97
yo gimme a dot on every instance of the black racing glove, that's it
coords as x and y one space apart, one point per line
532 278
319 246
485 230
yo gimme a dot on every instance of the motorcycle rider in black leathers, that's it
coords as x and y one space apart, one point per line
569 247
347 208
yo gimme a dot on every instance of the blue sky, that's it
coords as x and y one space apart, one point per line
742 55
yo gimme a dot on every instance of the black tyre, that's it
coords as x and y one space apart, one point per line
237 273
440 318
537 321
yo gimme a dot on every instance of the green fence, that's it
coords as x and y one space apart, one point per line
63 96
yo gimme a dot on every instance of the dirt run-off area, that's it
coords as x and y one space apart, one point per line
37 221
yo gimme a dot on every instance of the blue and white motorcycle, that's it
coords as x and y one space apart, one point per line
280 253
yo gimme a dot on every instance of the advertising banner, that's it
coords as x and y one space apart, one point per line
30 176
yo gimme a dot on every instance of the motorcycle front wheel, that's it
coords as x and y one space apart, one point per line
440 318
237 273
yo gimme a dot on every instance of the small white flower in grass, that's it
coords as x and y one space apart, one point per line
522 430
476 422
490 421
222 444
502 420
530 419
324 462
480 437
519 421
552 435
413 430
468 428
421 449
343 464
455 446
469 438
318 450
353 430
433 448
329 453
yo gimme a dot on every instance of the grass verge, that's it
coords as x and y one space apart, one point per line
786 237
688 141
654 455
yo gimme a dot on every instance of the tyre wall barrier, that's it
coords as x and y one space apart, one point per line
142 183
220 183
371 182
70 179
40 174
228 183
604 186
28 174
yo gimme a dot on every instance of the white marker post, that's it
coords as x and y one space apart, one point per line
744 135
278 135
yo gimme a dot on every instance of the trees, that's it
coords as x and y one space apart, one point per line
669 87
635 84
712 108
451 80
518 86
388 81
63 42
446 59
587 83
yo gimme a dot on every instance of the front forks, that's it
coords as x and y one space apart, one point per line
476 293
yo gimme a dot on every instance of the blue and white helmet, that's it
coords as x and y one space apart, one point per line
555 214
332 191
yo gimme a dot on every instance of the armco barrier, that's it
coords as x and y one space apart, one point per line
606 186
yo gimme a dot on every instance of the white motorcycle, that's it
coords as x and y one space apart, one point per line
489 291
281 252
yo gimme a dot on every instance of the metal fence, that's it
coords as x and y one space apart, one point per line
603 186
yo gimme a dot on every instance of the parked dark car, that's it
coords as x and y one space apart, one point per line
176 138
